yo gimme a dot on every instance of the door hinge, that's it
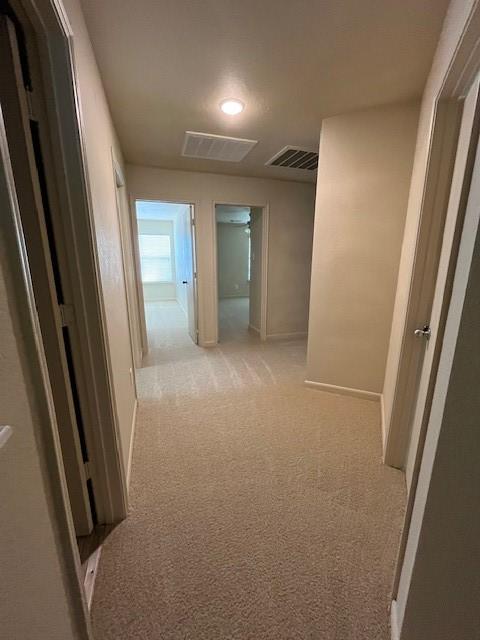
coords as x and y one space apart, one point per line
67 315
88 474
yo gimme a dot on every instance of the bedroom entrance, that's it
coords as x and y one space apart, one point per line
166 272
241 244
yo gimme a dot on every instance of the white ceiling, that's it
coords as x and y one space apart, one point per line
232 213
166 65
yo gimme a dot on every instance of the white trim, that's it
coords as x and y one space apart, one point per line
21 298
138 277
442 138
383 423
91 575
344 391
128 261
131 444
296 335
394 630
207 343
264 297
54 38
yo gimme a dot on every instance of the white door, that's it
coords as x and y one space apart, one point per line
433 335
190 281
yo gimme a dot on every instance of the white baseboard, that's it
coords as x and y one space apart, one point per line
344 391
382 419
394 629
207 343
132 438
91 575
254 329
287 336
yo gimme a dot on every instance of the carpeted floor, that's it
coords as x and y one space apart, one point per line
260 509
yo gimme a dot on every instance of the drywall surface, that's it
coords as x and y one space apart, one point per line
291 207
255 306
100 139
232 260
34 603
454 25
363 179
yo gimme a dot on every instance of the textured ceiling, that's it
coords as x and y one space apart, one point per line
166 65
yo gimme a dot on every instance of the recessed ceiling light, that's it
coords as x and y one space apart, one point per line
232 107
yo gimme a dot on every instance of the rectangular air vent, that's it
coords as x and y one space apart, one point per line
295 158
213 147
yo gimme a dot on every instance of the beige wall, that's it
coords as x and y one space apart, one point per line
100 139
232 260
364 174
291 208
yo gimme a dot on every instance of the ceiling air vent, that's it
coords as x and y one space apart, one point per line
295 158
213 147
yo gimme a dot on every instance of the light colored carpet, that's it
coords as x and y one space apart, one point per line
233 317
260 508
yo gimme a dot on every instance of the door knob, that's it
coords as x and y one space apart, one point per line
424 332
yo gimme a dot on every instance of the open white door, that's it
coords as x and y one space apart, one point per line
433 332
467 143
191 278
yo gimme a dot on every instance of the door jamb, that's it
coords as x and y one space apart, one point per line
55 41
265 207
31 352
128 262
437 183
458 79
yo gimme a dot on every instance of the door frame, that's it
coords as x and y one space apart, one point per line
442 150
21 300
47 23
126 240
265 207
40 212
137 268
459 77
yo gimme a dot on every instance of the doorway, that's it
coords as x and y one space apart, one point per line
166 271
241 268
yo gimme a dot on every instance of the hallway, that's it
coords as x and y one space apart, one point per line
260 508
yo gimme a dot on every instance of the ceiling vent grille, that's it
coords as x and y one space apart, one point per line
295 158
213 147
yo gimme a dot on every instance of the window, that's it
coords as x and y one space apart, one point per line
155 258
